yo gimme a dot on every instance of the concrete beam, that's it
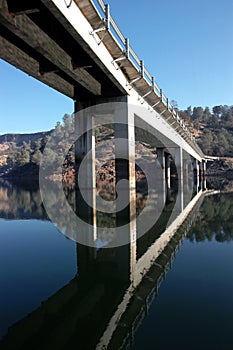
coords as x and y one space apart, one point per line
23 7
80 29
25 29
18 58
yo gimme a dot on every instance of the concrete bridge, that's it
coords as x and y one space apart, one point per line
76 47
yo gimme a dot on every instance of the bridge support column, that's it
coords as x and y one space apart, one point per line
161 159
168 177
200 172
204 167
178 185
185 172
85 149
186 181
178 158
204 174
196 175
125 170
168 170
110 110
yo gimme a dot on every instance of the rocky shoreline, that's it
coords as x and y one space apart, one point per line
218 171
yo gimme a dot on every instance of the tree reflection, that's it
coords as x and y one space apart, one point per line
215 220
21 202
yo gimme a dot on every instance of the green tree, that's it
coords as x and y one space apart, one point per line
43 143
206 115
214 122
189 111
206 142
174 104
218 110
222 145
36 157
23 157
216 128
197 113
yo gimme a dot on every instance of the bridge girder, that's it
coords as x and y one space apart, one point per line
33 40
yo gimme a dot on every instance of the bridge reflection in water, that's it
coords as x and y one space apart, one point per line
106 301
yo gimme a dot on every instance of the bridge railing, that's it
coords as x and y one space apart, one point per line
123 43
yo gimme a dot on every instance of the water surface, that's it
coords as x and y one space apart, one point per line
55 293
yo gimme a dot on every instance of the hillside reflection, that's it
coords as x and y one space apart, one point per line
214 222
21 202
215 219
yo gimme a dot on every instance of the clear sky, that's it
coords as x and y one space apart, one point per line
186 45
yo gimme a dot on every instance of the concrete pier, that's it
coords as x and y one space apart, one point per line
178 158
162 180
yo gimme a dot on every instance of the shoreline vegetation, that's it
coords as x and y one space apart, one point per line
21 154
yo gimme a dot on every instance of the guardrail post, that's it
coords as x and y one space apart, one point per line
161 95
142 68
153 83
107 16
127 48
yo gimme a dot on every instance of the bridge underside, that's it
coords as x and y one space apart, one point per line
34 40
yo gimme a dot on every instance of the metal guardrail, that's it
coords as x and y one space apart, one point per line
123 43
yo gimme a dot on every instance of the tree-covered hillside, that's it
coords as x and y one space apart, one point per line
28 153
213 129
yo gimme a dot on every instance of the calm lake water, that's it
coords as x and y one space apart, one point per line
57 294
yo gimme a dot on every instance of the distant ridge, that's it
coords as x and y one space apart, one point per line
19 139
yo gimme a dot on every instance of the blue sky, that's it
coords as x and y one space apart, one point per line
186 45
